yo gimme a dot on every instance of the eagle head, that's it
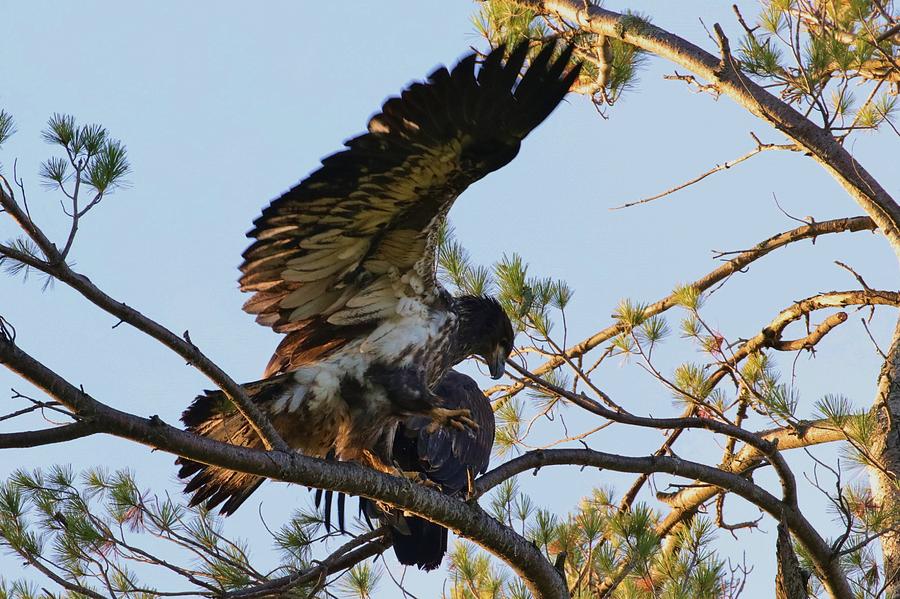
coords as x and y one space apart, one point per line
485 331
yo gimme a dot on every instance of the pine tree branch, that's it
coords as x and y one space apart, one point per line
469 521
351 553
826 562
726 73
687 502
56 267
769 449
59 434
734 265
49 573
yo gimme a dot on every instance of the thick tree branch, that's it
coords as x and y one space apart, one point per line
725 72
887 453
56 267
469 521
790 581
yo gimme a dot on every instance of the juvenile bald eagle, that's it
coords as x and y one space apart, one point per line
444 457
344 265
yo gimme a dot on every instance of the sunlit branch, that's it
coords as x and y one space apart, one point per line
725 72
736 264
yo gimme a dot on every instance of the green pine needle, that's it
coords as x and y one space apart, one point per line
60 130
361 581
108 168
688 296
630 313
7 126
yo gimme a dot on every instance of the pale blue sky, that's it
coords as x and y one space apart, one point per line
225 105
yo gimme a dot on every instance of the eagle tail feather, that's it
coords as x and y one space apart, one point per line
424 546
214 416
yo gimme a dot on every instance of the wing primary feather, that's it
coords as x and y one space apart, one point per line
510 72
337 229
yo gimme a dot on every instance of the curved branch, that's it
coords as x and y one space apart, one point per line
771 334
813 338
736 264
469 521
690 498
725 72
769 449
56 267
826 562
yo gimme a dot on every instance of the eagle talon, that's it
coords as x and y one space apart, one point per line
458 419
416 477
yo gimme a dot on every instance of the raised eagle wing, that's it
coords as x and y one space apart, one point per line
345 245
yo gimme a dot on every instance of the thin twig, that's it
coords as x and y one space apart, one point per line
760 147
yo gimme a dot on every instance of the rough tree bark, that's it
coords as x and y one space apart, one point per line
790 582
887 451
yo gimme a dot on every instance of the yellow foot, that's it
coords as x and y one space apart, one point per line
458 419
416 477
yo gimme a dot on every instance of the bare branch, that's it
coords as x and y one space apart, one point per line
813 338
819 143
59 434
760 147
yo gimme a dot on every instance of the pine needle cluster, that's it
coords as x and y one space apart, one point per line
590 544
100 532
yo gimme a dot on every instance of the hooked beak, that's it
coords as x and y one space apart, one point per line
497 363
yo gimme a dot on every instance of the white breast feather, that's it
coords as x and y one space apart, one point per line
413 325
